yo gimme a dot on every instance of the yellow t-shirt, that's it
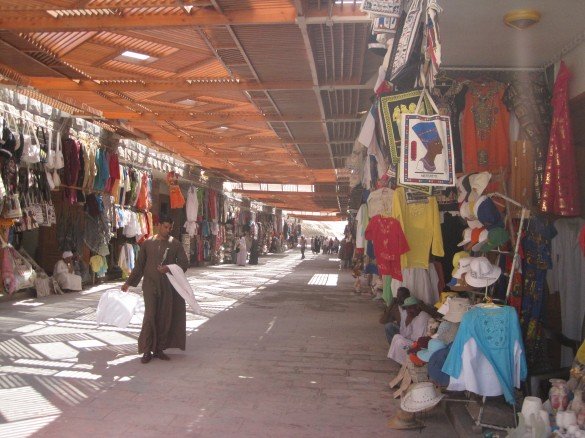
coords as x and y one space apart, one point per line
421 224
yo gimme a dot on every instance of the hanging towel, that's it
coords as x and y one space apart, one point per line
180 283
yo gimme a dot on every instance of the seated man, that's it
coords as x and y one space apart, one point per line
63 272
413 325
393 314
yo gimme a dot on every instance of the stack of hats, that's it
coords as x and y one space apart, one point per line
456 257
470 188
486 230
458 282
454 309
474 272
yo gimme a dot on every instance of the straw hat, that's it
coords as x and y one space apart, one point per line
404 421
420 397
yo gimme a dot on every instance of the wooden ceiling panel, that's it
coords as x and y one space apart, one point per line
182 62
23 63
140 45
180 37
60 43
136 69
244 5
90 54
261 42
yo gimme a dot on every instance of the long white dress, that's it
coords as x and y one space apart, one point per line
241 259
408 334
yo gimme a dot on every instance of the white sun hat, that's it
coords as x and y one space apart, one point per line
482 272
420 396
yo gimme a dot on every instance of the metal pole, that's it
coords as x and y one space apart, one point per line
515 259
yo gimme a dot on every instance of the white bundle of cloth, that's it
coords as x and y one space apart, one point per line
117 308
179 281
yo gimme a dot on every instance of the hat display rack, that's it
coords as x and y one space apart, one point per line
524 215
515 232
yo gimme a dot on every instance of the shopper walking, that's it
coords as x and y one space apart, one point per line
164 323
303 246
242 251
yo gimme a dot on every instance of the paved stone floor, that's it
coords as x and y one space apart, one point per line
282 349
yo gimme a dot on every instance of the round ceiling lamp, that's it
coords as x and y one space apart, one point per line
522 18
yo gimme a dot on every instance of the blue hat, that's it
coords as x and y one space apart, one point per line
434 346
427 132
487 213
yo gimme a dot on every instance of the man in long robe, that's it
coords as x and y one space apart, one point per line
242 252
164 323
65 275
413 325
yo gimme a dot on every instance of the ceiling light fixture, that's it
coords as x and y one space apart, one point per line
135 55
522 18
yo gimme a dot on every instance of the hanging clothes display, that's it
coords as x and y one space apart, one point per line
389 244
537 260
567 277
71 150
560 190
485 127
529 97
422 226
488 344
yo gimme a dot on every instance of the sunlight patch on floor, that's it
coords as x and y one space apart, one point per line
324 280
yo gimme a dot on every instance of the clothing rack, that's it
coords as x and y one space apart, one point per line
135 166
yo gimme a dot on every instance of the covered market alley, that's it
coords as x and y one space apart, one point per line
292 218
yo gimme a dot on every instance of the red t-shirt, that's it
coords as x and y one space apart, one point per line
389 244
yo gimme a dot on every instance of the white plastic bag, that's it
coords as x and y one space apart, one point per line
116 308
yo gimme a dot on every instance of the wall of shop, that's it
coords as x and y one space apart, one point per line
575 60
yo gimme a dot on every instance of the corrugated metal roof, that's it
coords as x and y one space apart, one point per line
296 102
277 52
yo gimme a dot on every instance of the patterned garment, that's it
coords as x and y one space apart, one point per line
529 98
560 189
485 128
389 244
537 260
